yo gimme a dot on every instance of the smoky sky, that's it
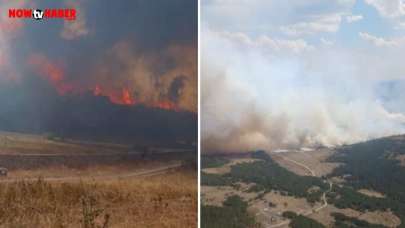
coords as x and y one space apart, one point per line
152 24
291 74
160 36
121 70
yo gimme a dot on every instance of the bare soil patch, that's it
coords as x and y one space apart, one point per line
371 193
227 167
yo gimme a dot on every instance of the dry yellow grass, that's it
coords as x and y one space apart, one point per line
168 200
88 171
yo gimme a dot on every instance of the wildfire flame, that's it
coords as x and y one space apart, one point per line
50 72
54 74
126 97
167 105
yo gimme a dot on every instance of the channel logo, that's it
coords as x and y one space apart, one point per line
39 14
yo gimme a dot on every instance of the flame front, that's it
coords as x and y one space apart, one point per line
123 98
122 95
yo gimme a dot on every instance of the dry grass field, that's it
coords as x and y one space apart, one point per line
168 200
64 184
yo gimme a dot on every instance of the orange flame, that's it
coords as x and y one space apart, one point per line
53 73
123 98
167 105
126 97
49 71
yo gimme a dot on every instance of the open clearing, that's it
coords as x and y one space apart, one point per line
271 216
371 193
315 159
215 196
227 167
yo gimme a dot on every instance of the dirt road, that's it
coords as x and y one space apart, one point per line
312 172
150 172
309 212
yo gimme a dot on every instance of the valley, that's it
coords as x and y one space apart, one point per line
311 187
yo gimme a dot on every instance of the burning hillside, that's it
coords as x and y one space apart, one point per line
157 70
94 78
135 82
90 117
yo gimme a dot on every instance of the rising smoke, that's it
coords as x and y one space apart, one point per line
265 94
96 79
128 77
95 53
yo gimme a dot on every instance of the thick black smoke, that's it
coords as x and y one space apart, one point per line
89 117
145 50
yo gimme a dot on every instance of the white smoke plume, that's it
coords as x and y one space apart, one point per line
259 93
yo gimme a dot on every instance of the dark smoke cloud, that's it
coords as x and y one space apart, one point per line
134 52
160 36
176 87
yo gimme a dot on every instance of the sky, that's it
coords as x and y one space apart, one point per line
134 52
279 74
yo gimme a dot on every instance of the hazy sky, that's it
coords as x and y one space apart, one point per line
301 73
